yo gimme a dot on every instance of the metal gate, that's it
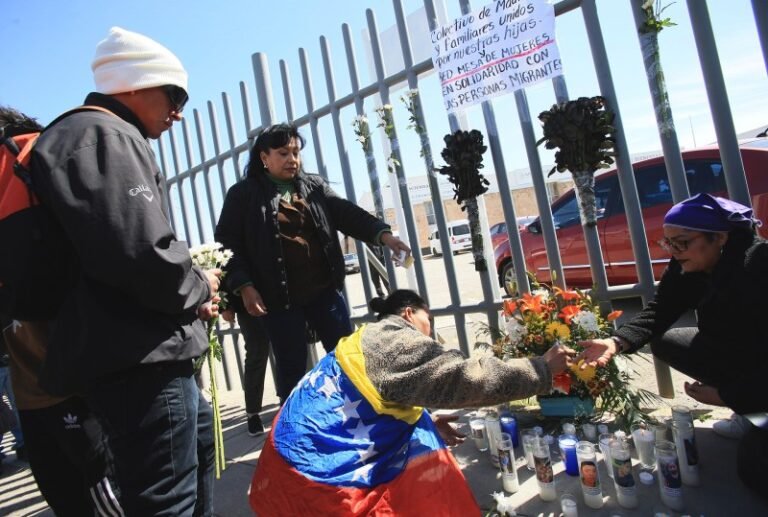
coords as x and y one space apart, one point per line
195 192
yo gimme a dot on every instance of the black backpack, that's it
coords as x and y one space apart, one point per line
36 265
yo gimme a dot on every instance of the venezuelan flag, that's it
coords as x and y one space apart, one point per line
336 448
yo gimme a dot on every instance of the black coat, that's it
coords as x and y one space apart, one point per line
732 307
248 226
136 292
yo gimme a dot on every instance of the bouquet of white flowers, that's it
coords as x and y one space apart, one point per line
213 256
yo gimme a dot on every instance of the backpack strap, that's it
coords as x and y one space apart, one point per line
21 166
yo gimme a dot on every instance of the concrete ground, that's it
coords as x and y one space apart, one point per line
720 492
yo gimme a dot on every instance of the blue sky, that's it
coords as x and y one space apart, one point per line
50 45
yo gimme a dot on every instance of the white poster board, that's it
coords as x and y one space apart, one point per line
505 46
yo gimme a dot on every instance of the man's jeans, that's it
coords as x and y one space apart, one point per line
327 315
160 430
6 389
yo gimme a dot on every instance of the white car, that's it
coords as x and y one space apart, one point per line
458 234
351 263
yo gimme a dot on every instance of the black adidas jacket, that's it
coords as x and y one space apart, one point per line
136 293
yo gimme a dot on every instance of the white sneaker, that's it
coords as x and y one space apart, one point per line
735 427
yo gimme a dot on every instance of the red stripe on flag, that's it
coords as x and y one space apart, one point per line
431 484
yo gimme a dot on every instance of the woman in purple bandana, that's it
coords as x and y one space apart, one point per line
719 267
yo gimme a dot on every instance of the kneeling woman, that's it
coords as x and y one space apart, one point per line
353 438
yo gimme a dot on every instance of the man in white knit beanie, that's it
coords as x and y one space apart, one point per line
130 320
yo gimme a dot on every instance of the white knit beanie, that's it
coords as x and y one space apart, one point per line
127 61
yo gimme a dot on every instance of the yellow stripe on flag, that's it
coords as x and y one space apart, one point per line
349 353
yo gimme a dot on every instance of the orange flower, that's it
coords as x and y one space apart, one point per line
562 383
567 295
614 315
568 312
509 307
531 303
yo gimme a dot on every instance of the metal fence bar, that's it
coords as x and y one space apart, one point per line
217 149
402 183
370 159
179 182
290 113
313 119
206 171
626 178
192 185
673 159
233 152
591 236
760 9
547 223
735 177
346 169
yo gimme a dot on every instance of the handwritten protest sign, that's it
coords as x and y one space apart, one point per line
505 46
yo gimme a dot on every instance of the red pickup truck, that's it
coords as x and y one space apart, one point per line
704 171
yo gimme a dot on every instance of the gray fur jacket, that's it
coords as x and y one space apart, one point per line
410 368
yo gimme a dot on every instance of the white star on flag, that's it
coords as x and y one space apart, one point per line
328 388
313 377
348 410
360 432
366 454
362 472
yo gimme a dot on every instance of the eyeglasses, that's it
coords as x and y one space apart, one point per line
677 245
176 96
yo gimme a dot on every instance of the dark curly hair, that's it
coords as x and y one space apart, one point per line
396 303
272 137
14 122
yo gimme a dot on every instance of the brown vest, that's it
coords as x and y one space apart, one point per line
305 262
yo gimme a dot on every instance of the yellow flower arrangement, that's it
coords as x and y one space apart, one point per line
536 321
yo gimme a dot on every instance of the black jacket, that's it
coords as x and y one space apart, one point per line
136 293
731 305
248 226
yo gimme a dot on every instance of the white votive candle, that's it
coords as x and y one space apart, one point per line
687 453
590 478
569 506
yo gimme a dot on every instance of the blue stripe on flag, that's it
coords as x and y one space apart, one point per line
330 433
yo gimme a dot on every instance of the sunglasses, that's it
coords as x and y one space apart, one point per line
176 96
677 245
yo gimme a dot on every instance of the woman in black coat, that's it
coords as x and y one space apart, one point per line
282 225
719 267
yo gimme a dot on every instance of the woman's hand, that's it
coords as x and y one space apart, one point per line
448 433
703 393
558 358
252 301
597 352
228 315
395 244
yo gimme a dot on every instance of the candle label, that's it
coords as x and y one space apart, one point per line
622 472
506 461
544 472
478 433
691 452
670 476
590 481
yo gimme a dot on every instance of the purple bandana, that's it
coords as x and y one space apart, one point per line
710 214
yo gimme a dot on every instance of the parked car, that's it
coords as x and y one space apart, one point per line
499 230
351 263
458 234
704 171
